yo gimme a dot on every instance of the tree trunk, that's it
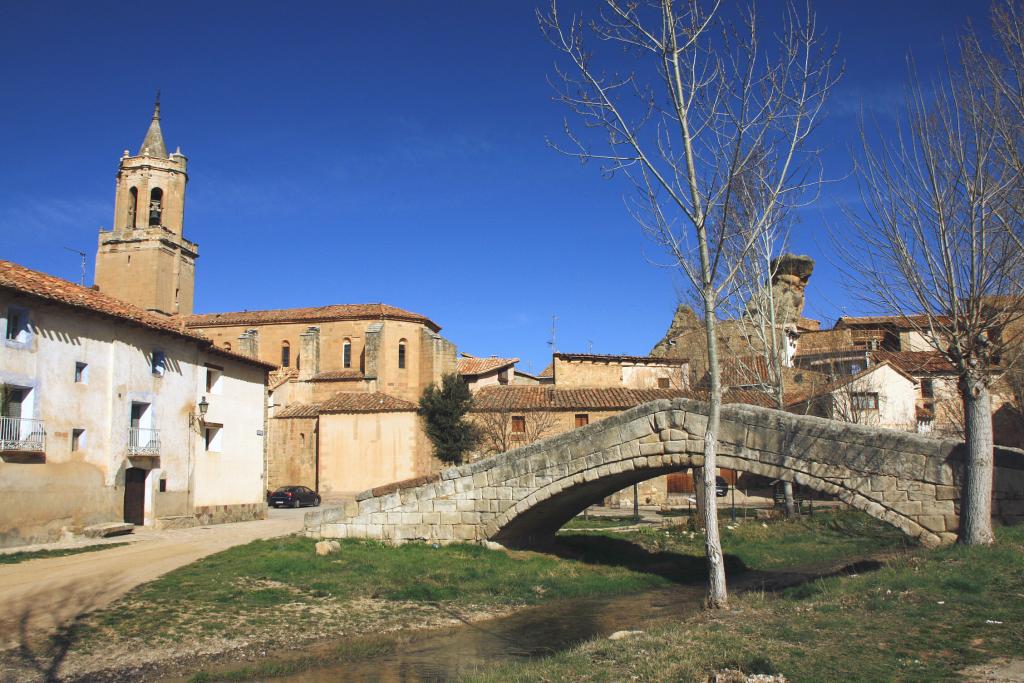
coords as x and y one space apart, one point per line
976 494
787 490
717 597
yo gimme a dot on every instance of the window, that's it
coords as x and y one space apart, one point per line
286 354
663 382
582 420
227 346
927 388
503 377
518 424
401 355
213 379
163 485
17 324
81 373
133 204
156 208
864 401
77 440
213 438
159 363
346 354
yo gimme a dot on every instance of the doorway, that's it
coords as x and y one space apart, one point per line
135 495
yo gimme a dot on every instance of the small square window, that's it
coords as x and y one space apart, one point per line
213 438
518 424
17 325
77 440
81 373
927 388
159 363
663 383
582 420
213 379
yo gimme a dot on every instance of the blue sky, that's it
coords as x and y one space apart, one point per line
385 151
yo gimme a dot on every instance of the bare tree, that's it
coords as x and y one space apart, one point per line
705 107
502 428
938 241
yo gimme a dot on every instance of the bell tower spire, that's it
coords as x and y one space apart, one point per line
146 260
153 144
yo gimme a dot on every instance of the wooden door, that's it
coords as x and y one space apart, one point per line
679 482
135 496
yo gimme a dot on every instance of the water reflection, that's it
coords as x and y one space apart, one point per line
535 632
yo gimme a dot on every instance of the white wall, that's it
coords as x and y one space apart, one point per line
119 360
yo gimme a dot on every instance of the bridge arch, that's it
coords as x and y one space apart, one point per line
525 495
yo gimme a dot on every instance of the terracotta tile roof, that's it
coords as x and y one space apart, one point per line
57 290
473 366
306 315
280 376
900 322
347 374
527 398
549 371
349 402
916 362
601 358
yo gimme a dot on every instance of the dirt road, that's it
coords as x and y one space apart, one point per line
41 595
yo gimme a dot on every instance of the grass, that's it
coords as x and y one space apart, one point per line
583 523
24 556
923 617
279 593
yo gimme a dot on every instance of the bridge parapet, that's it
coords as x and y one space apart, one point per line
525 495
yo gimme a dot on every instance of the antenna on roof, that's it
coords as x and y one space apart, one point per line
590 346
553 343
82 254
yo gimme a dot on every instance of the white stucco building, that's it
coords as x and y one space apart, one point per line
103 415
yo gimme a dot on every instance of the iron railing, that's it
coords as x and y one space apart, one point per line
22 434
143 441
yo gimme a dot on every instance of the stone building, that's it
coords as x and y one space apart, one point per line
111 413
145 260
484 372
343 402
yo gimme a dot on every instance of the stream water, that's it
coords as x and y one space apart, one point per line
445 655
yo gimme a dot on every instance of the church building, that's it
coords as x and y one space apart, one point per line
342 401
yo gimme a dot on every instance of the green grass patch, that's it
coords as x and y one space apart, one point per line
923 617
15 558
599 522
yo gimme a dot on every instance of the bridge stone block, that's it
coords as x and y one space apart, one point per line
946 492
635 429
675 446
648 449
696 424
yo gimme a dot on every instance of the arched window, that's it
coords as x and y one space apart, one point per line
133 206
227 346
156 206
401 354
346 353
286 354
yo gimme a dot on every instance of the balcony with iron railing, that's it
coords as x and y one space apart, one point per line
22 434
143 441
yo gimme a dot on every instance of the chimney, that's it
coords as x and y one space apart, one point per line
249 343
372 349
310 353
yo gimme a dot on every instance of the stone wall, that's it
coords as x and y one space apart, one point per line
525 495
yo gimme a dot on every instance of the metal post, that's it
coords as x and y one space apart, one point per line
734 500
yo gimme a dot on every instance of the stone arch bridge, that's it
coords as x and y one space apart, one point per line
525 495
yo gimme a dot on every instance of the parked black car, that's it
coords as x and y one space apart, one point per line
293 497
721 487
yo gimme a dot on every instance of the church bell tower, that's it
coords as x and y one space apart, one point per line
145 259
